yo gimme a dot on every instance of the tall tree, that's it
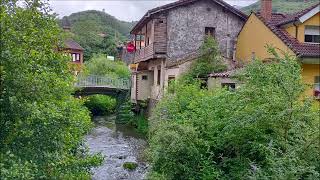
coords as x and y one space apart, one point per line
41 124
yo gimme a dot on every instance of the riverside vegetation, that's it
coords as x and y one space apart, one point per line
42 124
106 105
263 130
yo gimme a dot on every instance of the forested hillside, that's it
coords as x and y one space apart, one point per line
282 6
97 31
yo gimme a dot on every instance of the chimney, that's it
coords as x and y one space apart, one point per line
266 9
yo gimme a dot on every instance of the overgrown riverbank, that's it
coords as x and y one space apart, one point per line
264 129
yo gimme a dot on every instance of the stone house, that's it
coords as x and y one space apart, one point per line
168 38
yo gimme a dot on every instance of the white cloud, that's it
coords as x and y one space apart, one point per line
122 9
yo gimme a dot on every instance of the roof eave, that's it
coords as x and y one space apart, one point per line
143 20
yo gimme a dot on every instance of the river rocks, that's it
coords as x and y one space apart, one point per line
119 145
130 166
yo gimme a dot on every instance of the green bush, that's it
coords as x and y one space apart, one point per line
101 104
210 61
101 66
264 130
42 125
140 123
124 113
130 166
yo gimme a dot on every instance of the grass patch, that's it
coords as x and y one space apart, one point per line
140 123
130 166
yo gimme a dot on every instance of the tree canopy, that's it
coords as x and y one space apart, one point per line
263 130
97 31
100 65
42 125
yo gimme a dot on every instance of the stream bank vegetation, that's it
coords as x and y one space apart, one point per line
101 105
105 105
42 124
263 130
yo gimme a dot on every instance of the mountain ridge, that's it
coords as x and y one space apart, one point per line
282 6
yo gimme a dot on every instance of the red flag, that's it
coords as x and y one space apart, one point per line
130 47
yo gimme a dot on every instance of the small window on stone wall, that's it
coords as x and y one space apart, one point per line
144 77
210 31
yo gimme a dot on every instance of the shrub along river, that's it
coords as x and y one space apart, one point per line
119 144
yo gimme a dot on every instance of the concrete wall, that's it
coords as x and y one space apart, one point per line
176 71
186 28
141 88
216 82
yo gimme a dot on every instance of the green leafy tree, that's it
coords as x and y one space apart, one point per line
97 32
101 66
42 125
101 104
210 60
264 130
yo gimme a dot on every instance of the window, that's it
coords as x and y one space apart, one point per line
75 56
171 80
144 77
229 86
317 87
312 34
148 41
159 76
210 31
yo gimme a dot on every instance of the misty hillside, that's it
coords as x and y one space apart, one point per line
282 6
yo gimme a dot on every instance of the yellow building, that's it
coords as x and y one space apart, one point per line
297 34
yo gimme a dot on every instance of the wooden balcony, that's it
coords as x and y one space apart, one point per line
154 50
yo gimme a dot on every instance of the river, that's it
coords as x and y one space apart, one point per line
118 144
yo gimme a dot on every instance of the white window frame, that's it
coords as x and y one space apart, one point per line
311 31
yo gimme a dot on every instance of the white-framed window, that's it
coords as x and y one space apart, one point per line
75 57
312 34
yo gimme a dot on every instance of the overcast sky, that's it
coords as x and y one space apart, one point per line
122 9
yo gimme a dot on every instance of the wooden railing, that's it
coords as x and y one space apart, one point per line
102 81
144 53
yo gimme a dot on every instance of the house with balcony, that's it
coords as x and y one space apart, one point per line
297 34
168 38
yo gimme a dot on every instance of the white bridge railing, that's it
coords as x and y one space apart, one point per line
102 81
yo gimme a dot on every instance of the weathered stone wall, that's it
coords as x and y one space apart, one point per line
186 28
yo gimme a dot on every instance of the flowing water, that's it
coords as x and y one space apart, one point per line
118 144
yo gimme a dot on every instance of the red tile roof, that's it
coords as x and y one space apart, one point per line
299 48
293 17
178 3
71 44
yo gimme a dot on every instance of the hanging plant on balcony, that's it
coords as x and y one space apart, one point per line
130 47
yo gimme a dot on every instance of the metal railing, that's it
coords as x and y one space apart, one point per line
102 81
